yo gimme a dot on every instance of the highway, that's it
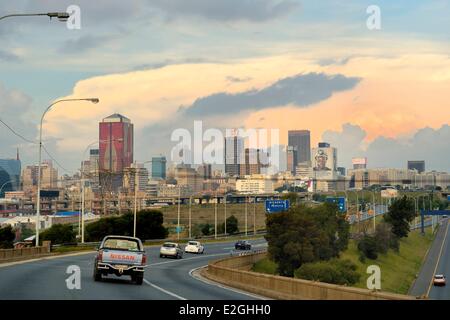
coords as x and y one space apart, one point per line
437 262
165 278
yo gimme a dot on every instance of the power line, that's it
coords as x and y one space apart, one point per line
17 134
56 161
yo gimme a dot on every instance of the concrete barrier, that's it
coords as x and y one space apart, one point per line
233 272
8 255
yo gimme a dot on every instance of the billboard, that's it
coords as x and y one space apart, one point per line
389 193
324 159
359 161
306 184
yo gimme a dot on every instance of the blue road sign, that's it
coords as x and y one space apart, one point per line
431 213
340 201
448 197
178 229
273 206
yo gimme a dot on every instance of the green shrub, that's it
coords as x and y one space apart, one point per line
335 271
368 247
7 237
58 234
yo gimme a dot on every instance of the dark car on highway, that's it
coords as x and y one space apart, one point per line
242 245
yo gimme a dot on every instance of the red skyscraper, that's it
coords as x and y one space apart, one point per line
115 146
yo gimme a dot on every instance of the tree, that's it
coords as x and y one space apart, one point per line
292 197
304 234
232 225
149 225
206 229
401 213
334 271
58 234
367 246
26 233
7 237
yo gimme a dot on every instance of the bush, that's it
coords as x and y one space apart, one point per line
149 225
385 239
58 234
368 247
232 225
335 271
206 229
7 237
304 235
401 213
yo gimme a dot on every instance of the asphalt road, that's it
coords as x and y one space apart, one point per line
437 262
164 279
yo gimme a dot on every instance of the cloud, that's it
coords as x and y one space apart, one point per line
431 145
230 10
301 90
84 44
8 56
15 110
237 79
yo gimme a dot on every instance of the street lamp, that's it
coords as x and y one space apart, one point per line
62 16
38 204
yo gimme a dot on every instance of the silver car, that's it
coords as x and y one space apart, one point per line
171 249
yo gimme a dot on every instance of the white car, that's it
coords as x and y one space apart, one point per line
171 249
194 247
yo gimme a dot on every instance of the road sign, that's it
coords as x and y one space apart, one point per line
340 201
273 206
448 197
178 229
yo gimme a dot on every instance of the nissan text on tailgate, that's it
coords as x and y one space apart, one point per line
120 255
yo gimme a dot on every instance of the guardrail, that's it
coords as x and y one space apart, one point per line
7 255
233 271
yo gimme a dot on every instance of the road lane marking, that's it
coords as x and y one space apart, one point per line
212 283
439 258
164 290
184 259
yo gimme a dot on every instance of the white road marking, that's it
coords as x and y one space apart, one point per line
164 290
212 283
184 259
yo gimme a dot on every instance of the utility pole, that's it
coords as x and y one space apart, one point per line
190 217
225 213
254 216
179 203
246 210
215 217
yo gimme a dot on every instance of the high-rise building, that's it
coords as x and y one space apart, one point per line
9 175
159 167
205 171
291 159
418 165
253 162
30 177
116 149
187 176
234 155
301 139
359 163
341 170
130 173
325 158
49 175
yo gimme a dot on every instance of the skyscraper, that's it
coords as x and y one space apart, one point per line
301 139
234 154
418 165
9 175
159 167
291 159
116 149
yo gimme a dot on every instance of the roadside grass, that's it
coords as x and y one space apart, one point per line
398 270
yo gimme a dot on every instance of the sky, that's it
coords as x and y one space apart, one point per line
285 64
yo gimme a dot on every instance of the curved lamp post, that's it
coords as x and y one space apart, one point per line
38 204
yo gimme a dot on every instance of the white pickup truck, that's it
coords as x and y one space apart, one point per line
120 255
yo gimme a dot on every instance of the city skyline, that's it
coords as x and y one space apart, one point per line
343 91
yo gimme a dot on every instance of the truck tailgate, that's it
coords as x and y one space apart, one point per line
122 257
